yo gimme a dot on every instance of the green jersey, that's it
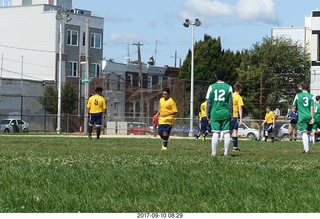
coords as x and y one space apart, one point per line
304 101
317 112
219 95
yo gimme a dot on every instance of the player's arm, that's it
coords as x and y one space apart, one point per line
230 103
240 114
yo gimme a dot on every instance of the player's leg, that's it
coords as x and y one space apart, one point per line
215 127
90 125
99 124
226 133
234 131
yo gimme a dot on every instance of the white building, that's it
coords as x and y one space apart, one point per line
29 40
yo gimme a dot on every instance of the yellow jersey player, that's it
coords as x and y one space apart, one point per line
167 111
237 114
96 107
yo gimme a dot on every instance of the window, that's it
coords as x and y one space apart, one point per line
72 38
94 70
96 40
160 83
84 39
149 82
72 69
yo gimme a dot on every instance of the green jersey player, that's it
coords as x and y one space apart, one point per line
305 106
316 123
219 111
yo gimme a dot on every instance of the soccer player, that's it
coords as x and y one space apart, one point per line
269 124
167 111
293 127
96 107
219 111
237 114
204 122
305 106
316 123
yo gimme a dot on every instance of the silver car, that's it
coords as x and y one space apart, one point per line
245 130
283 132
14 126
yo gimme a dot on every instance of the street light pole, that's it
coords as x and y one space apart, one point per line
60 18
59 78
196 23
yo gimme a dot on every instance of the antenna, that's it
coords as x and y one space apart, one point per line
155 52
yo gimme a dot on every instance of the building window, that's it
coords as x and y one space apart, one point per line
116 108
318 49
72 69
149 82
84 39
96 40
72 38
160 83
94 70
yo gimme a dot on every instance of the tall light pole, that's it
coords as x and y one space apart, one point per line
60 18
196 23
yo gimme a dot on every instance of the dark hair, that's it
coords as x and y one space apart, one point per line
220 74
166 90
305 85
237 86
98 89
318 98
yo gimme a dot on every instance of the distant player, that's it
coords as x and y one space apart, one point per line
96 107
167 111
237 114
269 124
219 111
316 123
305 106
204 122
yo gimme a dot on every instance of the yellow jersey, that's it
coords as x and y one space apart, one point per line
237 101
96 104
167 106
203 109
269 117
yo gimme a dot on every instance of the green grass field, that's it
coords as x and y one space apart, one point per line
73 174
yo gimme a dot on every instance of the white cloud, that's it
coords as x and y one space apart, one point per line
124 37
246 10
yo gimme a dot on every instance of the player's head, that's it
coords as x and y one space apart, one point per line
166 93
237 87
220 74
294 108
268 108
317 98
305 85
98 90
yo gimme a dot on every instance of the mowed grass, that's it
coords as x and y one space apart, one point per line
73 174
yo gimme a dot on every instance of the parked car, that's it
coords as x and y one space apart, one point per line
138 128
183 130
245 130
14 126
283 132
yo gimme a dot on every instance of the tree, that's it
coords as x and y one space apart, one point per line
208 57
69 99
278 66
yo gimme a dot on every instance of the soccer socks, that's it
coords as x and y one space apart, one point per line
214 143
235 142
305 141
226 143
98 132
90 131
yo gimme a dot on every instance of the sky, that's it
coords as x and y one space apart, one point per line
158 25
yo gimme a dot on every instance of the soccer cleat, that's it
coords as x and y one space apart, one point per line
164 148
203 138
236 149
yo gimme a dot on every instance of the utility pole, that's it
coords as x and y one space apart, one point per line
175 58
86 83
140 82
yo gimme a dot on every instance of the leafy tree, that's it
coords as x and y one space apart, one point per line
278 66
49 100
69 99
208 57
